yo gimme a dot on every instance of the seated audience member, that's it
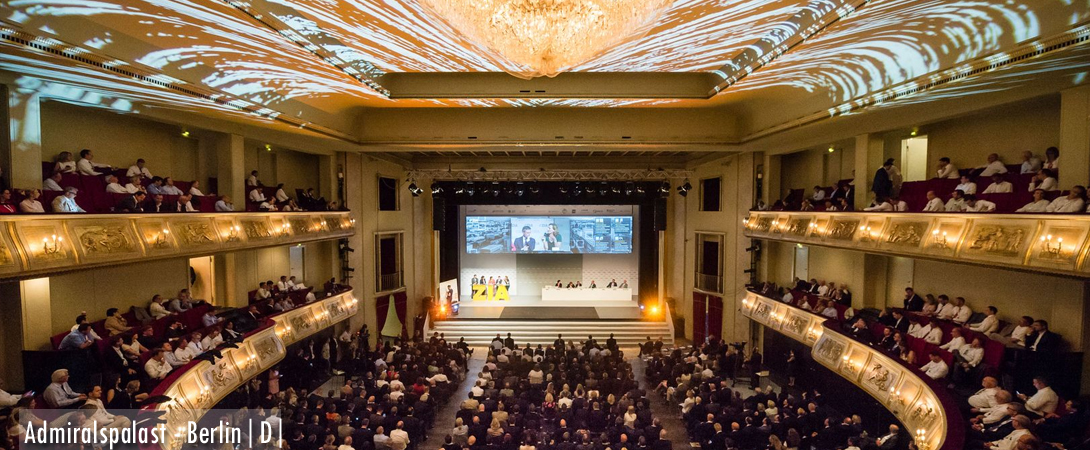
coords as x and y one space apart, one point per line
157 308
992 167
989 324
263 290
155 204
115 324
967 186
86 165
157 366
266 205
962 312
210 318
946 169
169 357
829 206
930 306
934 203
183 351
1052 159
1030 163
30 204
53 183
966 361
184 204
134 186
257 196
880 204
1044 180
912 301
1044 401
999 186
311 201
936 368
860 331
957 341
64 164
1040 339
829 310
281 196
818 195
169 188
6 205
132 204
806 205
624 284
138 170
59 394
291 206
252 180
844 205
283 285
298 286
898 204
986 396
1012 441
1021 330
1038 205
224 204
78 339
67 203
1073 202
181 303
82 319
956 202
155 187
929 333
195 189
113 187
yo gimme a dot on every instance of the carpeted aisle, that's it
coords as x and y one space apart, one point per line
667 414
444 418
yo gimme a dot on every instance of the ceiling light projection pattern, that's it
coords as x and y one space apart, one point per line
887 43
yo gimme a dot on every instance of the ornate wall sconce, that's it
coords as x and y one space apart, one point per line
1052 248
51 246
940 240
160 238
868 235
285 230
921 440
232 234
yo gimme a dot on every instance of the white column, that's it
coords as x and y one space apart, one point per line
24 139
230 168
868 158
1075 136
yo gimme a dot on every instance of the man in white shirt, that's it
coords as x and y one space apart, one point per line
819 194
184 204
1038 205
989 324
169 188
224 204
157 309
1010 442
823 289
967 186
946 170
973 204
138 170
999 186
157 368
956 202
945 310
1018 335
257 196
986 396
184 352
881 204
134 185
266 206
283 284
898 204
934 203
113 187
53 183
936 368
1001 410
168 356
1073 202
85 165
966 360
1030 163
209 318
963 312
957 341
1044 180
252 180
67 203
993 166
295 286
6 399
1044 401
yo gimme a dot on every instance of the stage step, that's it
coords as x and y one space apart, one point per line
481 332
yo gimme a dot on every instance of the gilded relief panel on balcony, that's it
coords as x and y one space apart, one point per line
796 324
763 224
230 232
45 245
106 239
997 241
843 230
762 311
300 225
798 227
256 229
830 351
1059 245
818 227
906 234
195 233
156 235
7 258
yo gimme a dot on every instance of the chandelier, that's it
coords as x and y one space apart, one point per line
546 37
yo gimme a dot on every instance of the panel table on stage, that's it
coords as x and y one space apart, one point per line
585 294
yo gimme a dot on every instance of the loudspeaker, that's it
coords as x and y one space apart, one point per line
660 214
439 214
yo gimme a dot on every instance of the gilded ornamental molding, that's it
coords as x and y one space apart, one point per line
1032 242
202 385
904 393
35 245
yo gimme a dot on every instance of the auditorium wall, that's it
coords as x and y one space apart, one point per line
119 287
118 140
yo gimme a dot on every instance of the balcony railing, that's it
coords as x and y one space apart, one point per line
923 405
709 283
199 386
390 282
35 245
1031 242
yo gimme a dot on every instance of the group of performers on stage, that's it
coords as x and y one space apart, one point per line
578 284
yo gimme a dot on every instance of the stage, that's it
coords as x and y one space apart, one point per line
533 308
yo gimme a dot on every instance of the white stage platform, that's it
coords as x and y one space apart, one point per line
535 308
585 295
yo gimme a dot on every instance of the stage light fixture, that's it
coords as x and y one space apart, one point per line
436 189
664 189
564 189
520 189
603 188
534 189
684 189
629 187
471 189
640 190
414 189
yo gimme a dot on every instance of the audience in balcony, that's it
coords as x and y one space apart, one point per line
67 203
257 196
132 204
183 204
967 186
157 307
1052 159
882 186
946 169
224 204
992 167
1030 163
155 203
973 204
990 323
59 394
1038 205
195 189
53 183
115 324
1040 339
934 203
1075 201
138 170
30 204
999 186
1044 180
168 187
155 187
956 202
64 163
113 187
6 205
936 368
818 196
87 166
252 180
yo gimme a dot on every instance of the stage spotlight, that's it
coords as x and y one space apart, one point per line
603 188
684 189
640 190
615 188
520 189
415 190
534 189
578 190
436 189
664 189
629 187
471 189
564 189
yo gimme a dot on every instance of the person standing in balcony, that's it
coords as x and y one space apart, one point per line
883 183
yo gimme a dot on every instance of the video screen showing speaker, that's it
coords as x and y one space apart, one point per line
549 234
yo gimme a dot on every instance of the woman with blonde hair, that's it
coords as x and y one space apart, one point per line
774 443
495 430
460 432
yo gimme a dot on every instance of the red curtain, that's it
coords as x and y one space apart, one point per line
700 303
715 316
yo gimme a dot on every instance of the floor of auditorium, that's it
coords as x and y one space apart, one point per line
444 419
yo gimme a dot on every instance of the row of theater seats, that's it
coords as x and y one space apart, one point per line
93 198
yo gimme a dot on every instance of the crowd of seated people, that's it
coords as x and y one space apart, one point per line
593 284
1031 186
267 198
564 396
949 343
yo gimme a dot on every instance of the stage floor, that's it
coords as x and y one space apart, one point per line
536 309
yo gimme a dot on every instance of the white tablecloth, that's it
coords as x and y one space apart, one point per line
553 294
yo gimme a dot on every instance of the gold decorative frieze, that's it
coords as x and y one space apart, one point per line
35 245
1032 242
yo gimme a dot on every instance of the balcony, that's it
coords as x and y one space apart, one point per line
712 284
199 386
922 405
35 245
1030 242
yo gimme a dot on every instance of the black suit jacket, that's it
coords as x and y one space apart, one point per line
915 303
520 242
129 204
902 325
1050 342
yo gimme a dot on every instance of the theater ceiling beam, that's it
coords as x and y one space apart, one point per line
568 85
